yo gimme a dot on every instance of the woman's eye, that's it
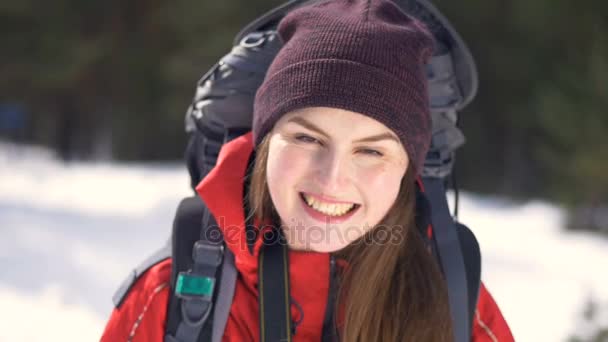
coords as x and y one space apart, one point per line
310 140
305 138
371 152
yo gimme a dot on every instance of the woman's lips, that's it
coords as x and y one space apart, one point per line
326 199
319 216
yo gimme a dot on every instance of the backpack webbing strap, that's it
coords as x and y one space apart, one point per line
450 257
274 299
224 296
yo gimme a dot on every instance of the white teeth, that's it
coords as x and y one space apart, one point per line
331 209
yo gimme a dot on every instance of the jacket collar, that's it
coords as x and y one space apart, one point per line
222 190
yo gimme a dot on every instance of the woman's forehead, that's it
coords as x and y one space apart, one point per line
331 120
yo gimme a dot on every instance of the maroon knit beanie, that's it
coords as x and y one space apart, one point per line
366 56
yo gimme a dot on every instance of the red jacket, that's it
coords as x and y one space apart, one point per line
142 315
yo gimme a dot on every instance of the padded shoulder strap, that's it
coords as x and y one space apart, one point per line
186 231
192 223
451 257
469 246
158 256
472 262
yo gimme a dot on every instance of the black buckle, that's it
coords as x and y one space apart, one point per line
205 253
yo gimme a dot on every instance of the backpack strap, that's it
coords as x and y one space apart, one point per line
451 258
186 231
468 245
224 298
472 262
162 254
203 273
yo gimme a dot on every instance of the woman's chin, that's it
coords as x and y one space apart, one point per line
316 247
313 236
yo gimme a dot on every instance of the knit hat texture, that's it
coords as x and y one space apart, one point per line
366 56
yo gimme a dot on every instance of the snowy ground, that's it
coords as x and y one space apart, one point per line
70 233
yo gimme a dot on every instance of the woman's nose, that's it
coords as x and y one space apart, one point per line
332 172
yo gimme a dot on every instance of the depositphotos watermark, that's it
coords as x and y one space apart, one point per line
301 234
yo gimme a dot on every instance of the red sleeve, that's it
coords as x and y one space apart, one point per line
489 325
141 317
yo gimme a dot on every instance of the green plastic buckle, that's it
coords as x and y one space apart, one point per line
189 285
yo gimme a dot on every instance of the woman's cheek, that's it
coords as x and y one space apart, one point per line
290 160
371 175
379 181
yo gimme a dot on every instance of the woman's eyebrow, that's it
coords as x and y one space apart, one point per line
378 137
309 125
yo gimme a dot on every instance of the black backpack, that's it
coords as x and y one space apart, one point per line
203 274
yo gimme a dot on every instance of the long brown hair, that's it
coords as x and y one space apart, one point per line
392 289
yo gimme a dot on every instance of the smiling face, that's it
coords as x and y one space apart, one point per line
332 174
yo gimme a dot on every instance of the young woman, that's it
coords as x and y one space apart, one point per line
340 132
